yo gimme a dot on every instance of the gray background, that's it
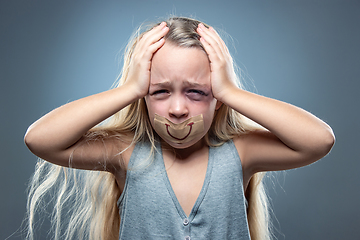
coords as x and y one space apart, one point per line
302 52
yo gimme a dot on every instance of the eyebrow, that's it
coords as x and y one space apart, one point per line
186 83
161 84
194 84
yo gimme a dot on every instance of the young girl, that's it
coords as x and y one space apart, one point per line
181 156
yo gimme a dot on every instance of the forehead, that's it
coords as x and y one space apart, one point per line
172 63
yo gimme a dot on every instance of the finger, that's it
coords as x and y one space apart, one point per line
154 34
211 46
155 46
213 39
151 41
156 43
213 56
223 45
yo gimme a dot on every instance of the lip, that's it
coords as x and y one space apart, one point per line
179 139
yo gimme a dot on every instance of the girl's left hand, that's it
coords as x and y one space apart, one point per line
223 76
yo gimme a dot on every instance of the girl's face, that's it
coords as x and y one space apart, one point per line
180 87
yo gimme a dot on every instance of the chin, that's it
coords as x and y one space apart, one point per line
180 145
183 145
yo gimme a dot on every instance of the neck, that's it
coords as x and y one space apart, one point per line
188 153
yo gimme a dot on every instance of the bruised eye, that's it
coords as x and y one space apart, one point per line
196 94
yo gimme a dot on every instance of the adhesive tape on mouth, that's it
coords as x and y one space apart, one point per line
179 132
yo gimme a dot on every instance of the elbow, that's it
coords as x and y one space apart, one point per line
29 139
33 141
325 143
330 141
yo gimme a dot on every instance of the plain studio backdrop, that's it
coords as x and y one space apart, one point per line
302 52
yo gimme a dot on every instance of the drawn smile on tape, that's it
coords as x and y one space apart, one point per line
180 139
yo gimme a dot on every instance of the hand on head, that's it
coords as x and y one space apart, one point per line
221 65
139 70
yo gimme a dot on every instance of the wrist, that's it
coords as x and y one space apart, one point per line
231 95
226 93
134 90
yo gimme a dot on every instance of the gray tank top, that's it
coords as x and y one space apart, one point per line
149 208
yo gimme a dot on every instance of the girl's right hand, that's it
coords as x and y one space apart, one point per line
57 135
139 69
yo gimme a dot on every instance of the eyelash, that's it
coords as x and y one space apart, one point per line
159 91
197 91
189 91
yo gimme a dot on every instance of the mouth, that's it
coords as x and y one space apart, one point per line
179 139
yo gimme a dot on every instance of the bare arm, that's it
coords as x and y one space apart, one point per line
55 136
295 137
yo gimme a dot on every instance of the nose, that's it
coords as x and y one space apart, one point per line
178 107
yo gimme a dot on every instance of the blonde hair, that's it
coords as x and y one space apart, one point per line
87 199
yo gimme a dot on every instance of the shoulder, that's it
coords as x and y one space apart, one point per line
256 145
134 149
253 145
113 147
244 142
253 138
262 151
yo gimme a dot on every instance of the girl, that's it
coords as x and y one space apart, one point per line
181 157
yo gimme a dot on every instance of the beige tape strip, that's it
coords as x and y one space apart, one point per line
179 132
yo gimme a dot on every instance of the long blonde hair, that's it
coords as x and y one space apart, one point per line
86 200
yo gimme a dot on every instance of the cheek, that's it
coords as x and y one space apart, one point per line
208 118
210 113
210 106
155 107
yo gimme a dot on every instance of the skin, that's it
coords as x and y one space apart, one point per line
295 137
160 73
180 87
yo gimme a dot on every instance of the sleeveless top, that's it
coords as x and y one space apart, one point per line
149 208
